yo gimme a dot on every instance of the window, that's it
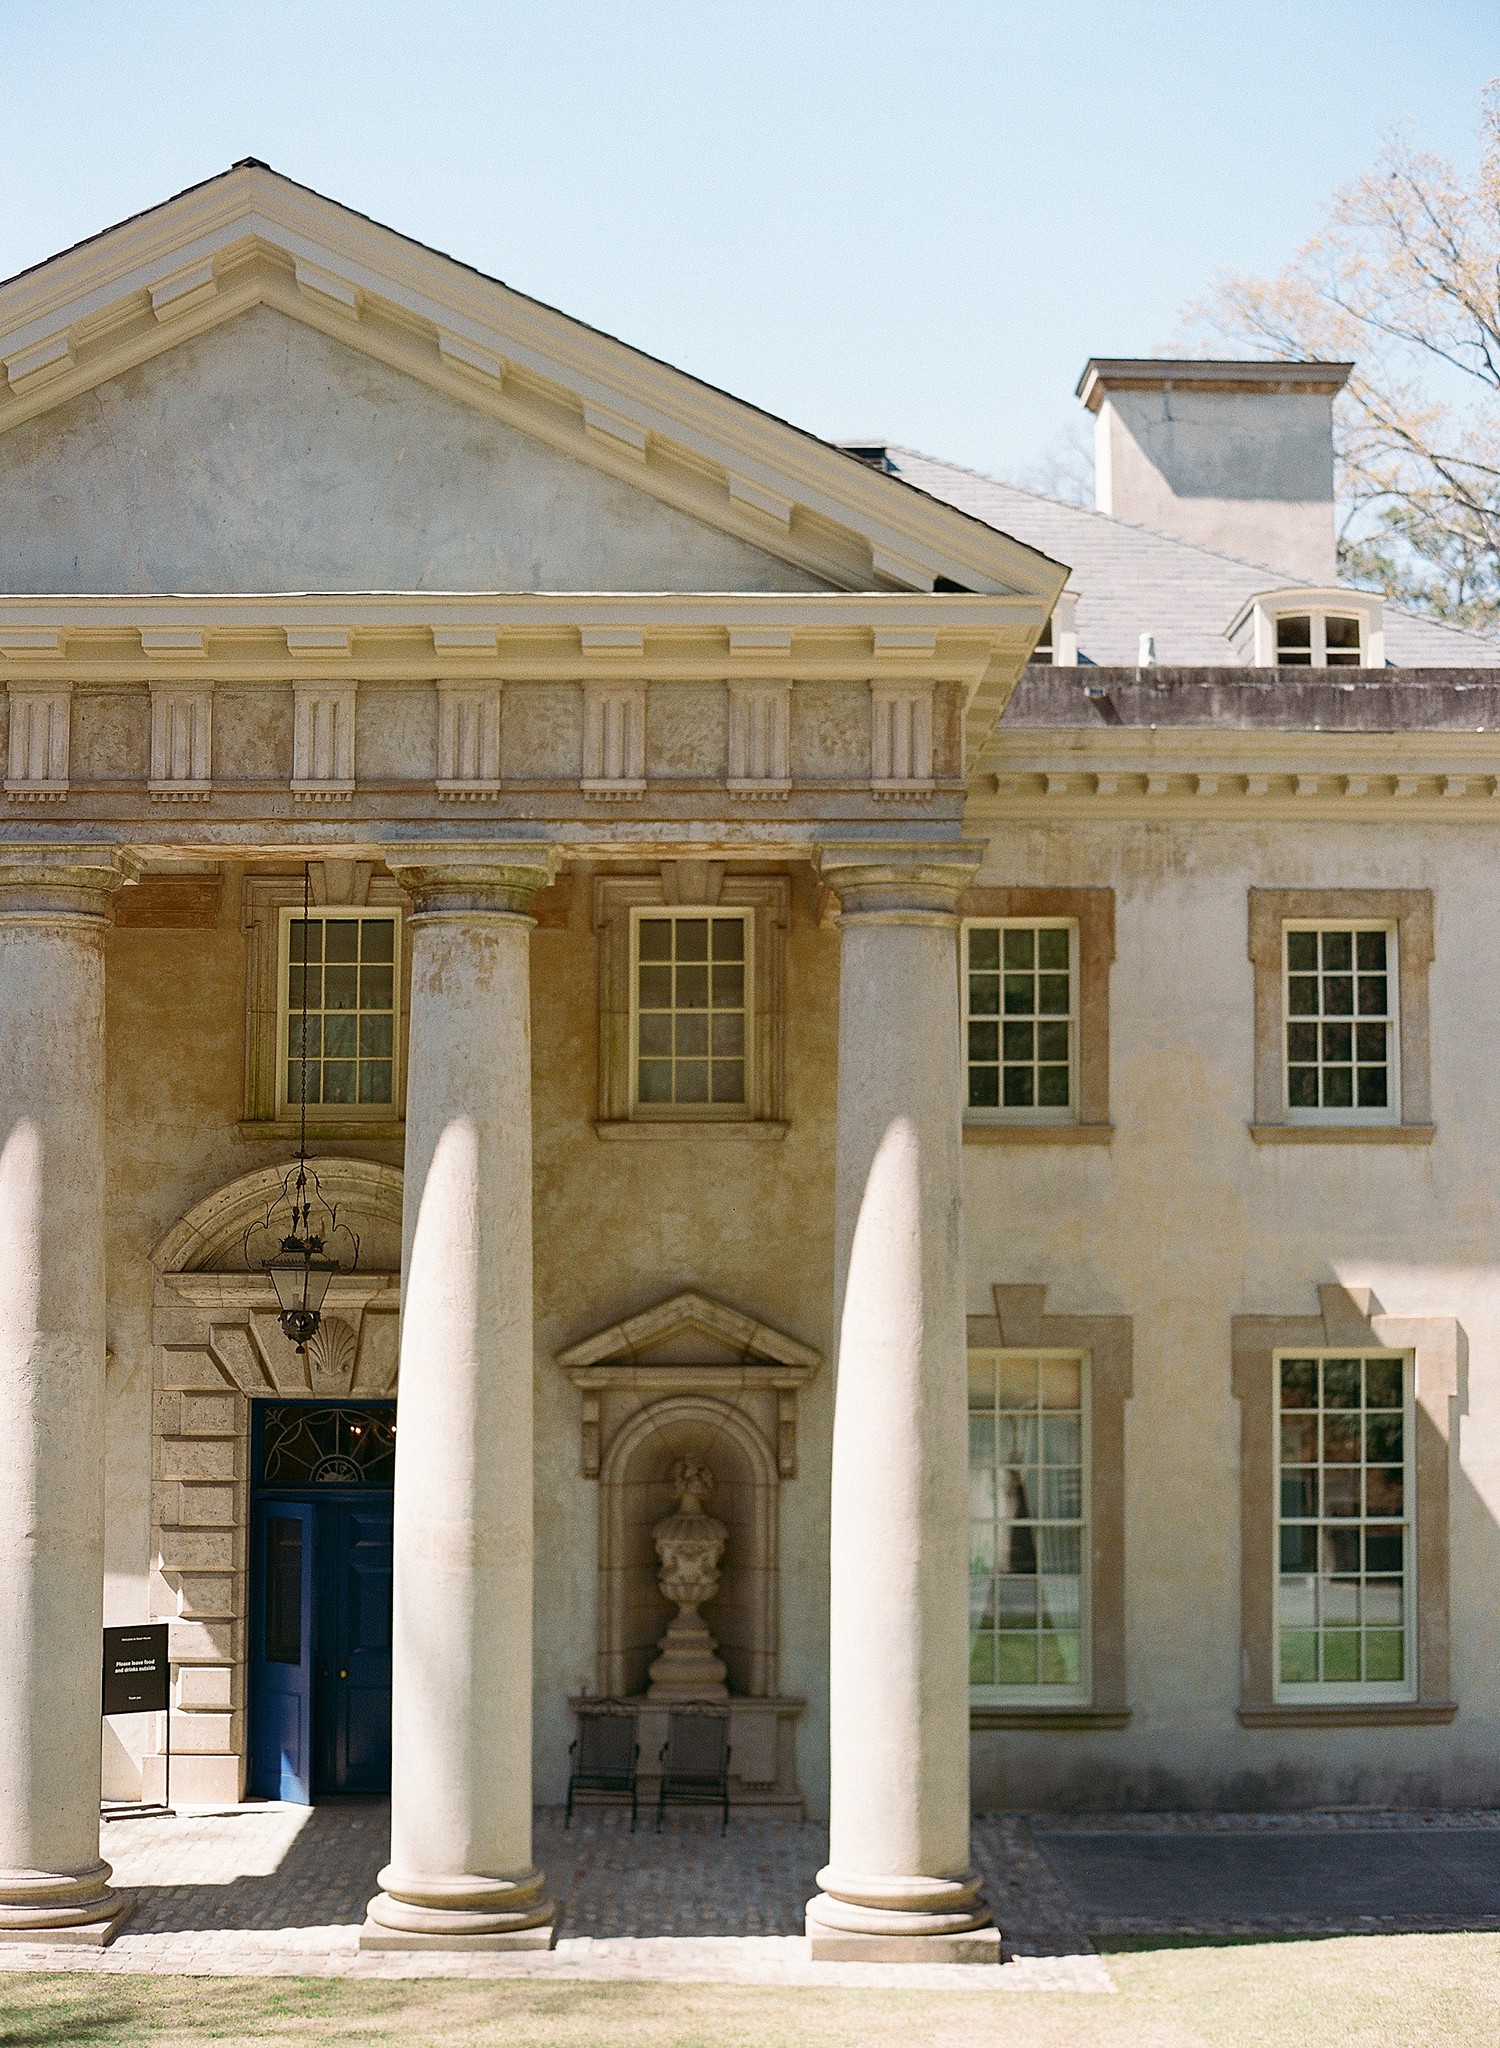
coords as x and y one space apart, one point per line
1318 640
1344 1604
1042 652
691 1010
1028 1516
1341 1023
1341 1016
1020 1018
344 964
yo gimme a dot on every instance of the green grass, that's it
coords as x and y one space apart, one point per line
1375 1991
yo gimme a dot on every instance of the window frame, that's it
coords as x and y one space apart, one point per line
1028 1698
1317 617
693 1112
286 1108
1355 1692
1003 1113
1389 1114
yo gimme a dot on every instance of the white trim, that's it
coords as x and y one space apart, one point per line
1391 1113
1361 1693
1002 1114
337 1112
1080 1695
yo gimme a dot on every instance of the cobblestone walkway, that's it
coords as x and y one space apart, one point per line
270 1890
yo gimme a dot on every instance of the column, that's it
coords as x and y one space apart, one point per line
898 1885
460 1874
54 907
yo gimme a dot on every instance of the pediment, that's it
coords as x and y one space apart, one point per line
250 239
690 1332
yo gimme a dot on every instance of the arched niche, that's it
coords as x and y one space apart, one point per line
636 1491
689 1377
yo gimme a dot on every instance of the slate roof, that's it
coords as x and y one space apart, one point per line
1131 581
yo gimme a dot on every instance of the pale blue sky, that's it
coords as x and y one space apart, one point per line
914 220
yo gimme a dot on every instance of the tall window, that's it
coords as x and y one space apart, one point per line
1020 1019
1344 1605
691 1011
345 961
1318 640
1340 1022
1028 1527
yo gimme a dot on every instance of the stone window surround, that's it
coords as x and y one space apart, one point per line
715 886
1349 1318
1020 1323
263 899
1410 912
1092 911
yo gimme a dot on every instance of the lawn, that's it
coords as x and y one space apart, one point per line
1381 1991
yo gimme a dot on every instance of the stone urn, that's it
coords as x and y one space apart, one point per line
689 1544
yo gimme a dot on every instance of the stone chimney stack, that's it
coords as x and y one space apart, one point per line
1237 456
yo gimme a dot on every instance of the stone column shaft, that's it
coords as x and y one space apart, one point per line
898 1883
460 1873
53 913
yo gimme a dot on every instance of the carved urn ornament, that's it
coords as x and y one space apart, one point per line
689 1544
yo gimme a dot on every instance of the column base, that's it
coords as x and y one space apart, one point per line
81 1934
388 1939
838 1945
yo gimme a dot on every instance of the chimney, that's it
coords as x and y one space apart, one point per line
1236 456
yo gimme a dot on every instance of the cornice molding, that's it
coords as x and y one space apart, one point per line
252 238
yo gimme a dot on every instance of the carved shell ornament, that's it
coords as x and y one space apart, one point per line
331 1356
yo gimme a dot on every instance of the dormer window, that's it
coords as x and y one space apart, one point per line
1318 640
1057 646
1306 628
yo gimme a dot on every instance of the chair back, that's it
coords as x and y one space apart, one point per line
606 1743
697 1746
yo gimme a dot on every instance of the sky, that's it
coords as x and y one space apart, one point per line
909 222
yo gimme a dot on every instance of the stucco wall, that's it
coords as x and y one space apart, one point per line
265 456
1182 1223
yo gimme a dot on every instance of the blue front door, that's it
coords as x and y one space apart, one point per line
352 1693
284 1535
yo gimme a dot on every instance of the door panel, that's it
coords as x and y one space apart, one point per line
354 1647
281 1668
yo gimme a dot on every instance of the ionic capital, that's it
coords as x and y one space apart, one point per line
899 881
498 877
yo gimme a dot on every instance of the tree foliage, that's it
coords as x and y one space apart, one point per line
1404 279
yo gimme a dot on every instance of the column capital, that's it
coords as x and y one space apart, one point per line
899 879
495 876
61 878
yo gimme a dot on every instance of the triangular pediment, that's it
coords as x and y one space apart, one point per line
690 1330
99 313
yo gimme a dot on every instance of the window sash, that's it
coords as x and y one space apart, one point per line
1294 1024
289 957
692 1112
1321 1690
1018 1113
1315 652
984 1585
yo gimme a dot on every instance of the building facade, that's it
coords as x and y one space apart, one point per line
785 992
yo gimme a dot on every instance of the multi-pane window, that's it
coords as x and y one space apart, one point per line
1318 640
1344 1587
342 967
1341 1023
690 1012
1028 1543
1020 1018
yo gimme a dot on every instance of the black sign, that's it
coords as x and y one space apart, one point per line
135 1670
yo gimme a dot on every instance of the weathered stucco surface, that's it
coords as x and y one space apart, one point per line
265 456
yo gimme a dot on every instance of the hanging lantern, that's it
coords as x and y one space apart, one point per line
303 1227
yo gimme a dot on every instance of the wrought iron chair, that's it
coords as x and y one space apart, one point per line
694 1761
605 1754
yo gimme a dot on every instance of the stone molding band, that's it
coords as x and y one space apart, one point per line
461 1904
472 879
43 1899
61 883
898 1905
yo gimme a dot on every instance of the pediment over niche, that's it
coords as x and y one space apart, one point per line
687 1351
687 1333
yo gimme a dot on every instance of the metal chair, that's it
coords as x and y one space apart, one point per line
605 1753
694 1761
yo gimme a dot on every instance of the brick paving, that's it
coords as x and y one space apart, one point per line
271 1890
